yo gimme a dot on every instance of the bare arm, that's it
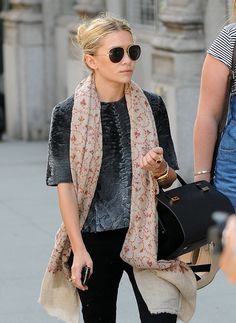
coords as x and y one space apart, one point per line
69 211
210 108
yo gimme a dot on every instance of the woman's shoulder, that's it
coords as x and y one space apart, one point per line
156 102
62 114
230 29
64 106
223 45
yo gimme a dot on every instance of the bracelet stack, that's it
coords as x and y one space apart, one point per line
164 176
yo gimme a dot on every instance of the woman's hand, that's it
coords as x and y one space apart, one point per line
81 259
154 162
228 257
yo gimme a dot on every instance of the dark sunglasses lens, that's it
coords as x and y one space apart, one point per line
134 52
116 54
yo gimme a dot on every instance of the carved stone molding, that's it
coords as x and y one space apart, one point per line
89 8
181 25
34 5
26 11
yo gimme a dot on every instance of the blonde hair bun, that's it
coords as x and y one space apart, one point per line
91 32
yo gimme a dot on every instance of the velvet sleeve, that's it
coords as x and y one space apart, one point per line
58 166
163 128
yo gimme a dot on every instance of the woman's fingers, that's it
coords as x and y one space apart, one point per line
152 159
79 263
156 157
76 279
154 162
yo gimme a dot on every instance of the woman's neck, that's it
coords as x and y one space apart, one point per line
109 91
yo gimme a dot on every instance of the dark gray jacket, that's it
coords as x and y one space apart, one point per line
110 207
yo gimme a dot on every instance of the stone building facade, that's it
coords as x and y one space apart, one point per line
41 60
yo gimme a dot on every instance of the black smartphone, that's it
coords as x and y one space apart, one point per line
85 275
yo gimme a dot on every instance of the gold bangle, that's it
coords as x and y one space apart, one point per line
164 176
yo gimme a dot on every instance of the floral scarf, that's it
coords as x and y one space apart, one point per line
159 281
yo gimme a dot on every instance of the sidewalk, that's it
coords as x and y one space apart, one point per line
29 220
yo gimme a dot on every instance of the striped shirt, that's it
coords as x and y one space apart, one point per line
222 47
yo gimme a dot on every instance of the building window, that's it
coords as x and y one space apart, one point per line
143 12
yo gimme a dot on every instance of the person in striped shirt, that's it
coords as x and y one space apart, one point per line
218 62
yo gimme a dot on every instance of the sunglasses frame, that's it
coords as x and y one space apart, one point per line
124 50
127 50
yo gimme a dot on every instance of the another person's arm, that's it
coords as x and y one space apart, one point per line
210 108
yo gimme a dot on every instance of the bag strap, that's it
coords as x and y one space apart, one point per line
231 77
201 184
230 80
181 180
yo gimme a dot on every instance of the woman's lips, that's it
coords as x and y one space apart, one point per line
126 71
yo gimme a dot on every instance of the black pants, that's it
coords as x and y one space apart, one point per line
99 301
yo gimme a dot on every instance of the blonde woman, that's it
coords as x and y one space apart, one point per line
110 149
210 108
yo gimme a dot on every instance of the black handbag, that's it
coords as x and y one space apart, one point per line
185 215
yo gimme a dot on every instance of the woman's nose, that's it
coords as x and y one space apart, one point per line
126 57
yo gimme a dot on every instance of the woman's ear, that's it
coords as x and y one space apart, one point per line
90 61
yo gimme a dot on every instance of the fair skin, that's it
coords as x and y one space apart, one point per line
110 79
228 257
210 109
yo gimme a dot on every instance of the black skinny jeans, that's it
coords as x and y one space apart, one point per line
99 301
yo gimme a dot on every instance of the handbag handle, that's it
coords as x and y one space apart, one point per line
231 77
175 197
181 180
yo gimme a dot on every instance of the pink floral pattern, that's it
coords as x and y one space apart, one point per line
140 246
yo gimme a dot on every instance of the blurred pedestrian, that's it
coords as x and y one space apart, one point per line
228 257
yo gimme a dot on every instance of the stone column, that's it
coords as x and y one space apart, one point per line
53 12
24 70
177 60
116 7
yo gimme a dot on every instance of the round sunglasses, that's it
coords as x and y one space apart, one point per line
117 53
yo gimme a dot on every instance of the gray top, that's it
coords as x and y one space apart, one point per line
110 209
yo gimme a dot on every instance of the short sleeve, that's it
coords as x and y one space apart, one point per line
163 128
222 47
58 167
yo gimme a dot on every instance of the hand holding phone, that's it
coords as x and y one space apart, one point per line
85 274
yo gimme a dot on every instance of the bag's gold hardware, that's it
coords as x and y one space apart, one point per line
175 198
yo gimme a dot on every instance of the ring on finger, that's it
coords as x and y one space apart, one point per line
159 159
72 279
